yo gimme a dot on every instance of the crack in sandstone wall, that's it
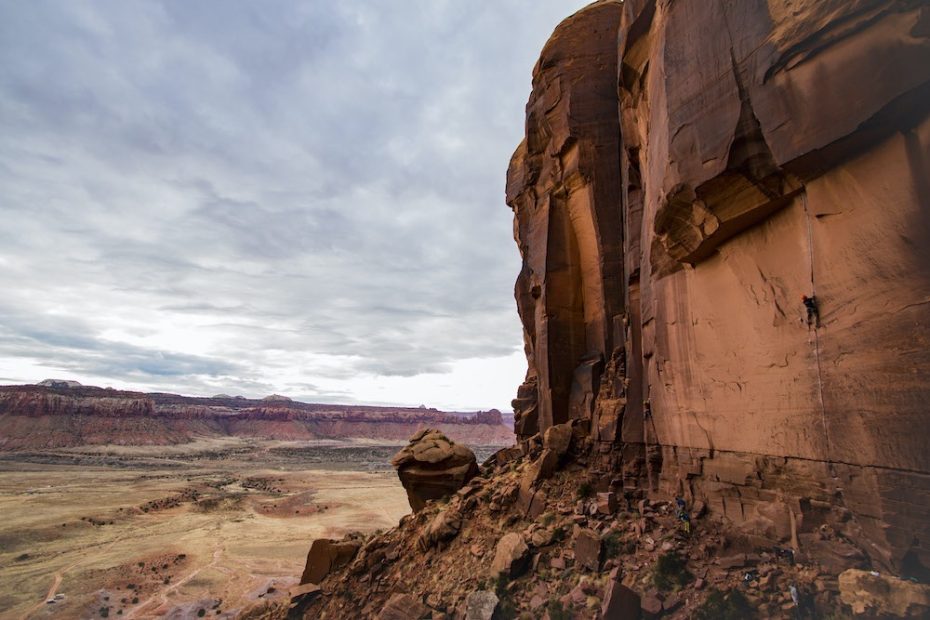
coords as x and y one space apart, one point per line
690 170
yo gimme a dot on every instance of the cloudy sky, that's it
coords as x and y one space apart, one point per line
254 197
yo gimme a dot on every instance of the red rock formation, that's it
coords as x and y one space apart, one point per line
755 152
432 466
563 186
711 452
325 556
50 417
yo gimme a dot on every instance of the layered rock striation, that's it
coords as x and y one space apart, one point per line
690 171
39 417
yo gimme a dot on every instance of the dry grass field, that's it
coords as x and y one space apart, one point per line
203 529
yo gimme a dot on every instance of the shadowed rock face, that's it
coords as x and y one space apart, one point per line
754 152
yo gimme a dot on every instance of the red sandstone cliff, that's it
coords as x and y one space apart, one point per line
51 417
691 445
754 152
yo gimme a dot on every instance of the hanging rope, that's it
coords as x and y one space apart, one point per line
816 335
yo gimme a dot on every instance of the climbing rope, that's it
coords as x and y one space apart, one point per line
816 334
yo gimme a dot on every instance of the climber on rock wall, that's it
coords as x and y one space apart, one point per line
813 312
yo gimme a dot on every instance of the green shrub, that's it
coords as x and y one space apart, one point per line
730 606
613 545
670 572
500 586
585 490
557 611
505 607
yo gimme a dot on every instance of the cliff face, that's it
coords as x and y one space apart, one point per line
690 171
723 213
33 417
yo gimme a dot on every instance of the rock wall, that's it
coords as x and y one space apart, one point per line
691 169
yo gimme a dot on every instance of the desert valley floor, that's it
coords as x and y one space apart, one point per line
218 525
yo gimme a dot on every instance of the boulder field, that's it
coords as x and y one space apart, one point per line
723 210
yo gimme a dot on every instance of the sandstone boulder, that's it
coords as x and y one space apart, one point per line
651 605
558 438
542 536
432 466
327 555
620 603
540 469
444 526
607 503
403 607
884 595
481 605
302 596
511 558
587 545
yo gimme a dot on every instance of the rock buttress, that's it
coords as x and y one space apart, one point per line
563 187
690 170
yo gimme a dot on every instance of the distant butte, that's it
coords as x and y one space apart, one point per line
56 414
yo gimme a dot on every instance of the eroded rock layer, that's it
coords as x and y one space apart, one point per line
690 171
41 416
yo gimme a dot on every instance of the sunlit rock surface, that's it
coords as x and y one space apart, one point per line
754 153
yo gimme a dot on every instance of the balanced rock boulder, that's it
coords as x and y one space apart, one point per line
432 466
327 555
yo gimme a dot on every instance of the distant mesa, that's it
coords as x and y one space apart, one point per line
46 416
278 398
490 417
59 383
221 396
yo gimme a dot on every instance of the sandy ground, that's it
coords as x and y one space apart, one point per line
166 532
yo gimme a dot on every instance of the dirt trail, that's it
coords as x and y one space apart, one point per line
60 573
161 597
53 589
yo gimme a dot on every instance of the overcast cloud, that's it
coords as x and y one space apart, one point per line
254 197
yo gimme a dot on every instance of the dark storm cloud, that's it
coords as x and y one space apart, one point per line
210 189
